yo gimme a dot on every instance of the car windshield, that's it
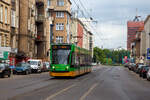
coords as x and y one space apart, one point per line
60 56
2 65
140 66
33 62
21 65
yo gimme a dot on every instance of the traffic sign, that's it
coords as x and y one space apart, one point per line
148 53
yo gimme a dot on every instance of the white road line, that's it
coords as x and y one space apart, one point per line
88 92
57 93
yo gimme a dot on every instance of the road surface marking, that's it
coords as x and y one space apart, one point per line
57 93
88 92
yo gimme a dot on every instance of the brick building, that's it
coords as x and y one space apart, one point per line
133 27
80 33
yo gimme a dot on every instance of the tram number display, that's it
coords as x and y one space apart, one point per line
61 47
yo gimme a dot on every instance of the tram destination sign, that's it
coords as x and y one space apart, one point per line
61 47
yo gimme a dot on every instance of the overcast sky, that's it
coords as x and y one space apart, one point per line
112 17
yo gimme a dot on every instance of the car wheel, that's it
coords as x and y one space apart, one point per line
9 75
30 72
3 74
148 78
26 72
140 75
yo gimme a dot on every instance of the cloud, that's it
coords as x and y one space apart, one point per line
112 35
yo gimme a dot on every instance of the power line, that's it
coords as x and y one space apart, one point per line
97 34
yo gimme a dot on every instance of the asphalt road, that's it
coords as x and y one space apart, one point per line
104 83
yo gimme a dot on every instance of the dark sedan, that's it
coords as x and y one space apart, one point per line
5 70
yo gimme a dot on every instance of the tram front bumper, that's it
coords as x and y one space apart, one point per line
62 74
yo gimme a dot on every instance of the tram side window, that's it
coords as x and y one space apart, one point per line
75 59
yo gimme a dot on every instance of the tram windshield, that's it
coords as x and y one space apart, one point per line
60 56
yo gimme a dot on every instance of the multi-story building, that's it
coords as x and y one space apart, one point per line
4 29
74 36
80 35
147 32
14 30
34 29
133 27
77 32
91 42
5 23
14 24
60 11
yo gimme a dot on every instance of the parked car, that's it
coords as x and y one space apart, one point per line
133 66
46 66
139 64
23 68
148 75
139 68
126 64
36 65
5 70
144 71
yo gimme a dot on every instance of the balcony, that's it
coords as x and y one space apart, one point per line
50 8
40 18
40 38
40 2
13 4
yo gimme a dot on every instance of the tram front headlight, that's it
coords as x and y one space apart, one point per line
53 67
67 67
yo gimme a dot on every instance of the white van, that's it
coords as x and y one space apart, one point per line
36 65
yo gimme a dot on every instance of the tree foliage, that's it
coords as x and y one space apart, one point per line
106 56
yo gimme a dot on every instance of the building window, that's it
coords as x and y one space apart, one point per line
59 39
6 12
60 2
48 14
60 26
1 13
4 41
49 2
13 18
0 40
59 14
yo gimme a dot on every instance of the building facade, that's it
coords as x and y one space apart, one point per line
147 32
133 27
5 23
60 11
5 9
34 29
14 25
74 25
80 35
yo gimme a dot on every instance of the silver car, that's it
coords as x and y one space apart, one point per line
148 75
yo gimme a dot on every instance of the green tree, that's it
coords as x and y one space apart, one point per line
98 55
107 56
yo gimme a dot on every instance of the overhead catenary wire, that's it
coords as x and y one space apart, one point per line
83 14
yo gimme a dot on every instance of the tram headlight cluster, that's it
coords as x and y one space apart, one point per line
53 67
67 67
